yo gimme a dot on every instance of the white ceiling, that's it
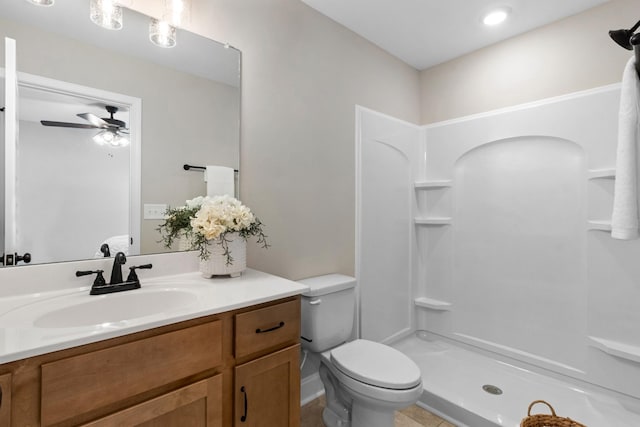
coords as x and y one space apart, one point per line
424 33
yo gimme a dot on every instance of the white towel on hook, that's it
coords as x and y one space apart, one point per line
624 221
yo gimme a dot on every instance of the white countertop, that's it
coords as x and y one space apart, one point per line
42 322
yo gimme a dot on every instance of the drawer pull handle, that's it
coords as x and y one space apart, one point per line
243 418
315 301
262 331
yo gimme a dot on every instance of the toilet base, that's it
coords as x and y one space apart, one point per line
367 416
347 407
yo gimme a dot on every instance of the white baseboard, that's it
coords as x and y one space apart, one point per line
310 388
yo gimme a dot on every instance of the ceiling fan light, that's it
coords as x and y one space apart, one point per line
45 3
106 13
111 137
99 138
120 140
161 33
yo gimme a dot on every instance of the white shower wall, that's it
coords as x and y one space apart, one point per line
507 215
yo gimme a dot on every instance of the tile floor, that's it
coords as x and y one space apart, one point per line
413 416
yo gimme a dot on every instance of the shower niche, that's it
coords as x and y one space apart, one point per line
509 216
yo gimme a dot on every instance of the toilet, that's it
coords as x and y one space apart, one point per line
365 382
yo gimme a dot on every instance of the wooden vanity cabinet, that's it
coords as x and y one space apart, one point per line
267 382
5 400
184 374
268 390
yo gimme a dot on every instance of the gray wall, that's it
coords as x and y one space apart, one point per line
302 76
573 54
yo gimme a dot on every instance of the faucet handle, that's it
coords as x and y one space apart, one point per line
99 281
133 277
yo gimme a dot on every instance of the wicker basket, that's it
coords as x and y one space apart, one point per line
544 420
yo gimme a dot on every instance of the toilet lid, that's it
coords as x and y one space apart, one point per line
376 364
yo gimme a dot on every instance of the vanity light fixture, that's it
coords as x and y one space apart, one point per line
161 33
45 3
177 12
106 13
496 16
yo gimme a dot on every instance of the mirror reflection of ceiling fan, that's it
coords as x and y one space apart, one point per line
113 131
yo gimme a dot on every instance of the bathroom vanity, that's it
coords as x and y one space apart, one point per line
231 358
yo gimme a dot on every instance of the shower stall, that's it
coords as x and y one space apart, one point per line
484 253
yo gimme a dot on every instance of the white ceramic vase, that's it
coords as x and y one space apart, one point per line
184 243
217 265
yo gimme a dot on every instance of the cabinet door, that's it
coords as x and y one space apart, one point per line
196 405
5 400
267 390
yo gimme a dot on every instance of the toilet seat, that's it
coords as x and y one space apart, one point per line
376 364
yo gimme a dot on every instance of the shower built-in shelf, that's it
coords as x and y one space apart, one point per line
601 173
432 304
599 225
616 348
437 221
425 185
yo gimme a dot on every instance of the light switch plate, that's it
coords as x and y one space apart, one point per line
154 211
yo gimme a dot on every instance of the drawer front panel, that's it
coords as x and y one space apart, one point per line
268 327
87 382
198 404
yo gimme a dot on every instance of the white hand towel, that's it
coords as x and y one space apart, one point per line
624 221
116 244
220 181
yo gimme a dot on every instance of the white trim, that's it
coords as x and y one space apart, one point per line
134 105
10 141
526 106
360 108
311 388
358 216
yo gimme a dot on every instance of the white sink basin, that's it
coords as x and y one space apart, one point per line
117 309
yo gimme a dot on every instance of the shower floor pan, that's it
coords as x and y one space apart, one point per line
454 377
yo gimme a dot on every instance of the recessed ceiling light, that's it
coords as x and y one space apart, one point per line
496 16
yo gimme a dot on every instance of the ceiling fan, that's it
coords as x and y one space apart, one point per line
95 122
112 128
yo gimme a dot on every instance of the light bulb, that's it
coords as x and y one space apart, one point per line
106 13
161 33
495 17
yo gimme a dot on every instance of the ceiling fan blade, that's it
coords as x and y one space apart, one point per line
67 125
94 120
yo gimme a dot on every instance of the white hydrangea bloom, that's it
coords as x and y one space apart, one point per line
220 214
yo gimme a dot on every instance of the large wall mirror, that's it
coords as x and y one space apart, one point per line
64 191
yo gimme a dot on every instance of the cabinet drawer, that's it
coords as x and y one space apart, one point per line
87 382
198 404
267 327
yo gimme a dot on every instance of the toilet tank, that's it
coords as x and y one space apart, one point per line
328 310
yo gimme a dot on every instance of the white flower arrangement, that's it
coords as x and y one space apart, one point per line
206 219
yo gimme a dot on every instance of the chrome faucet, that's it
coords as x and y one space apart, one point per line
116 272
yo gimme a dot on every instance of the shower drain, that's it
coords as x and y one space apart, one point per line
492 389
